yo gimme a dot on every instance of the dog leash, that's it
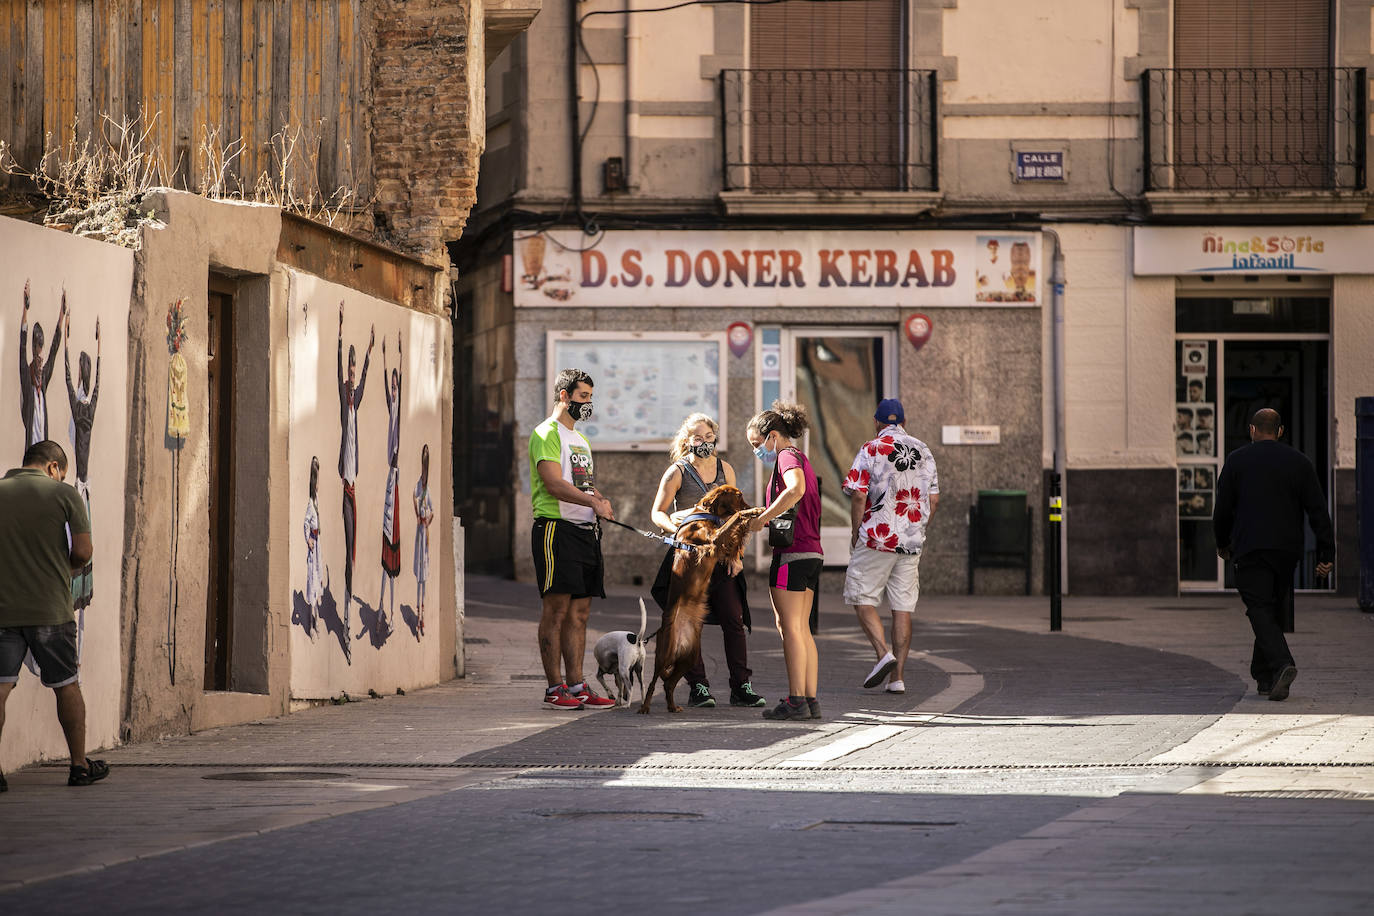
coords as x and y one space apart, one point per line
665 538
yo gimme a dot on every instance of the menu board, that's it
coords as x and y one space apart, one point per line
644 383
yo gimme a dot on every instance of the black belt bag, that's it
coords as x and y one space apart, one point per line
782 531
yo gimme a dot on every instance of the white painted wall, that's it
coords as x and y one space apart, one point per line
1119 356
98 280
319 666
1352 344
1042 52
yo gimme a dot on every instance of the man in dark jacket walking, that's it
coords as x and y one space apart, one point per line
1262 494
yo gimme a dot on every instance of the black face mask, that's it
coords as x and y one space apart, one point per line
580 410
703 449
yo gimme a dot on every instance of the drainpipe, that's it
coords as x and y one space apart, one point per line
574 111
1058 483
632 43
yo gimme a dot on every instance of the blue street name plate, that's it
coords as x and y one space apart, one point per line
1042 166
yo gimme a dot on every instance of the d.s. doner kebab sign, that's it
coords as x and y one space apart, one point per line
769 268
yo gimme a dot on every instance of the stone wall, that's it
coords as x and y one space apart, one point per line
428 121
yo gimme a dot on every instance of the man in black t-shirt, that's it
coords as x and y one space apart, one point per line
1263 493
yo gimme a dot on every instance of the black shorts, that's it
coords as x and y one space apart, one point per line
567 559
53 648
795 575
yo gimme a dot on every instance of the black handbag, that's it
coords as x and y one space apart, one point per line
782 530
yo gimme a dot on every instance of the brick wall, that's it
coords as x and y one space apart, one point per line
427 122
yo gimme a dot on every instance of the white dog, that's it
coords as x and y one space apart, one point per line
621 653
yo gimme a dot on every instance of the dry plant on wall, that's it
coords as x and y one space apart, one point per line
95 187
293 181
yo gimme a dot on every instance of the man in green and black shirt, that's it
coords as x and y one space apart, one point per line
38 513
566 541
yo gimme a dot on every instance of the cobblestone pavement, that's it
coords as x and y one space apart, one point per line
1122 765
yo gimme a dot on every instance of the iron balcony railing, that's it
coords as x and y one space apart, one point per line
829 130
1254 129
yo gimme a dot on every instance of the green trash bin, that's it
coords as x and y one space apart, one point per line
999 532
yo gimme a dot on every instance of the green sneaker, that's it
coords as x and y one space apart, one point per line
745 696
701 698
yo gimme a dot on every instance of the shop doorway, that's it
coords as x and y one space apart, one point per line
1233 356
838 375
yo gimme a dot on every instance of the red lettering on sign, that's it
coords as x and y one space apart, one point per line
943 260
886 272
679 267
830 271
858 268
630 270
791 268
763 267
736 267
593 268
708 268
915 270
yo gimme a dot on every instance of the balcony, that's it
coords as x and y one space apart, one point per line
829 134
1268 135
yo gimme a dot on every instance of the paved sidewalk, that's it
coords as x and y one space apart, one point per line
1139 718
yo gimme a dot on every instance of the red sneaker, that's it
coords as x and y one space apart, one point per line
590 700
559 698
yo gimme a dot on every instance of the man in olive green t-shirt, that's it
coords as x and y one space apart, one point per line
44 537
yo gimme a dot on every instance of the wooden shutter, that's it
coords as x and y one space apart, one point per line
827 95
1266 122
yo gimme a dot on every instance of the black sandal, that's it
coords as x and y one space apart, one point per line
93 771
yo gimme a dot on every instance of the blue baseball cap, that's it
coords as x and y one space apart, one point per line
890 411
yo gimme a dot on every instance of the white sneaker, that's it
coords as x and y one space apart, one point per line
896 687
881 670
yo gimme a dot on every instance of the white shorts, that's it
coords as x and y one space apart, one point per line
871 571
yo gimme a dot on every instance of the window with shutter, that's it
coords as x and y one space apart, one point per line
827 96
1252 94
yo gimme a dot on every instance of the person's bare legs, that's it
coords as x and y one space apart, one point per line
4 695
872 626
574 638
793 611
71 715
550 635
901 641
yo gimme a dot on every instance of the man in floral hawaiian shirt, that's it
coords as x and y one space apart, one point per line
893 490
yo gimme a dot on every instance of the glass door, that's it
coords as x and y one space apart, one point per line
838 375
1234 355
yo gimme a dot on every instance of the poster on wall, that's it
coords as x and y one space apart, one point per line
1195 429
365 454
645 384
64 318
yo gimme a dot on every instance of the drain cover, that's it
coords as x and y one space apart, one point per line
878 825
274 775
1304 793
623 815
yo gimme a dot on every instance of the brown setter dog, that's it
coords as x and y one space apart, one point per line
680 636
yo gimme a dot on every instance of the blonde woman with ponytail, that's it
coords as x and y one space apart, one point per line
695 470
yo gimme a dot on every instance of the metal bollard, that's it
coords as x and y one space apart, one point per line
1055 518
1364 497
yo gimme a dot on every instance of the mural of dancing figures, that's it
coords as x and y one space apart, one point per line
82 398
62 300
424 515
350 400
340 641
391 506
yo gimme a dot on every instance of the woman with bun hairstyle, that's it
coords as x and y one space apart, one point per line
697 469
796 569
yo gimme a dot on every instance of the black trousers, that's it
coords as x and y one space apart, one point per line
1264 579
723 599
